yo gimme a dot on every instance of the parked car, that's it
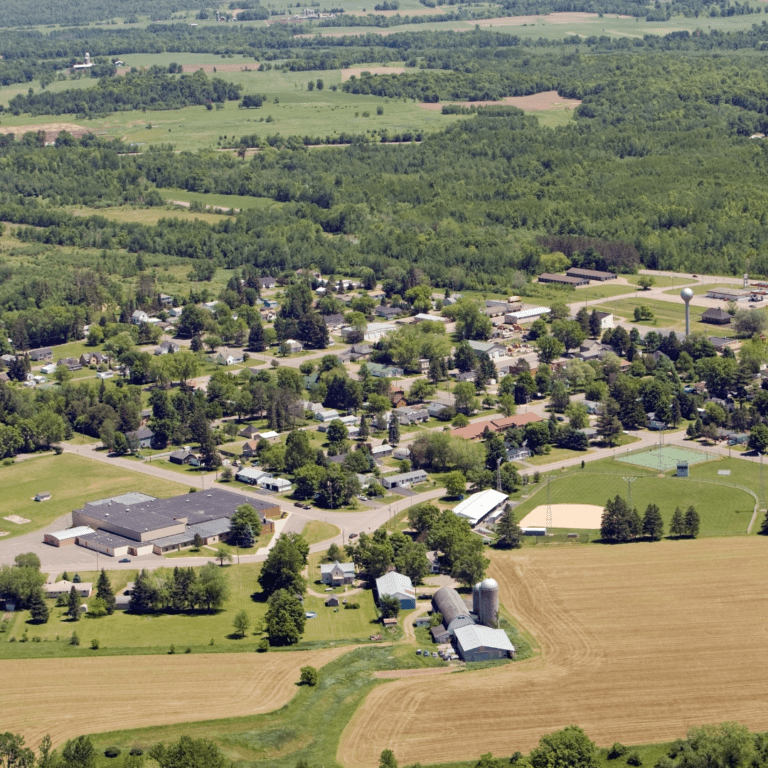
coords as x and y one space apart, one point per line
352 535
125 560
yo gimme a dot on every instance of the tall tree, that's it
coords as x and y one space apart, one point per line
507 530
653 524
393 429
692 522
285 618
73 604
677 524
105 592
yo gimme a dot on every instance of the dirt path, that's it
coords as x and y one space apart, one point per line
409 631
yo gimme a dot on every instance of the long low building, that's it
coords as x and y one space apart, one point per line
475 507
404 479
549 277
591 274
477 428
477 642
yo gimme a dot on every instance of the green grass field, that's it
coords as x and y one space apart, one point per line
667 314
659 281
72 481
724 509
316 531
700 290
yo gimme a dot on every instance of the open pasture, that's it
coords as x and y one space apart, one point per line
101 694
637 644
725 510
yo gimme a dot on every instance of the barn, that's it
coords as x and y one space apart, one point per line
479 643
394 584
448 603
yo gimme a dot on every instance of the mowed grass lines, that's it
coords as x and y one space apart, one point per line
72 481
638 643
100 694
724 510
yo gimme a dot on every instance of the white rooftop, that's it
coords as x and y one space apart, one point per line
394 583
71 533
478 505
479 636
268 435
531 311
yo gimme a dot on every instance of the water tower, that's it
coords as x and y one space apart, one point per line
489 603
686 295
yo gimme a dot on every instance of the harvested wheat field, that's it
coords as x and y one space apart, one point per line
67 697
638 643
52 130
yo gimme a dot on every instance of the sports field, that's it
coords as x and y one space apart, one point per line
638 643
94 695
664 458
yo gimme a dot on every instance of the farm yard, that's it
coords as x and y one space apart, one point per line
637 643
103 694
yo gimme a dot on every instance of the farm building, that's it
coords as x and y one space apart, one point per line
549 277
729 294
715 316
479 643
335 574
66 537
332 601
591 274
447 602
478 505
394 584
404 479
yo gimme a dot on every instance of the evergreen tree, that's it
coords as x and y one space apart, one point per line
594 324
608 425
105 592
394 429
619 522
653 524
764 527
141 595
38 608
364 430
508 530
692 522
256 341
196 344
677 524
73 605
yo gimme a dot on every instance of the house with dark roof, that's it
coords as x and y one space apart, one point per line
143 437
267 282
43 353
715 316
182 456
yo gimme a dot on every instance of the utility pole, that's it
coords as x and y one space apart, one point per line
629 481
549 502
498 474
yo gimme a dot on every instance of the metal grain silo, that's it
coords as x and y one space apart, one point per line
489 603
476 599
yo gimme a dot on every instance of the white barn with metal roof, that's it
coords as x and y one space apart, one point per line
394 584
476 642
478 505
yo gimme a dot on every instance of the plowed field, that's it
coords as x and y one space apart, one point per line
638 643
67 697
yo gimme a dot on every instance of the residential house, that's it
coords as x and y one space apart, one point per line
143 437
336 574
293 345
268 315
328 414
138 317
93 358
402 452
175 311
182 456
520 453
397 398
250 432
606 320
372 332
251 475
267 282
227 356
466 376
388 313
43 353
166 300
435 409
720 343
411 414
593 407
381 451
334 322
404 479
248 450
490 348
167 347
384 371
71 363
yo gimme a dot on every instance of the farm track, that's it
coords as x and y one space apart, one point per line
68 697
638 643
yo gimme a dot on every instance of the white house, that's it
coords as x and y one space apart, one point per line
490 348
138 317
606 320
337 573
276 484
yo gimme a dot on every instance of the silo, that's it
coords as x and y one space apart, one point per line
476 599
489 603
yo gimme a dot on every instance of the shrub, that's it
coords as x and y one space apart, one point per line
617 750
172 649
351 606
136 751
95 647
112 752
74 640
263 645
187 650
634 759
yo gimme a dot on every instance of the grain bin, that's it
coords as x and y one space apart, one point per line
489 603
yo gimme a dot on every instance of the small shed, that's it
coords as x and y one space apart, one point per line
332 601
682 469
43 496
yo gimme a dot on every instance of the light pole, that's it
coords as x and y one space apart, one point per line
629 481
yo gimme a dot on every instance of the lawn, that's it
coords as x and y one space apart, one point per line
316 531
555 455
659 281
725 510
72 481
339 623
666 313
700 290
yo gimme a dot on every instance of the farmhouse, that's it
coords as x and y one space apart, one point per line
480 643
478 505
549 277
335 574
404 479
591 274
394 584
